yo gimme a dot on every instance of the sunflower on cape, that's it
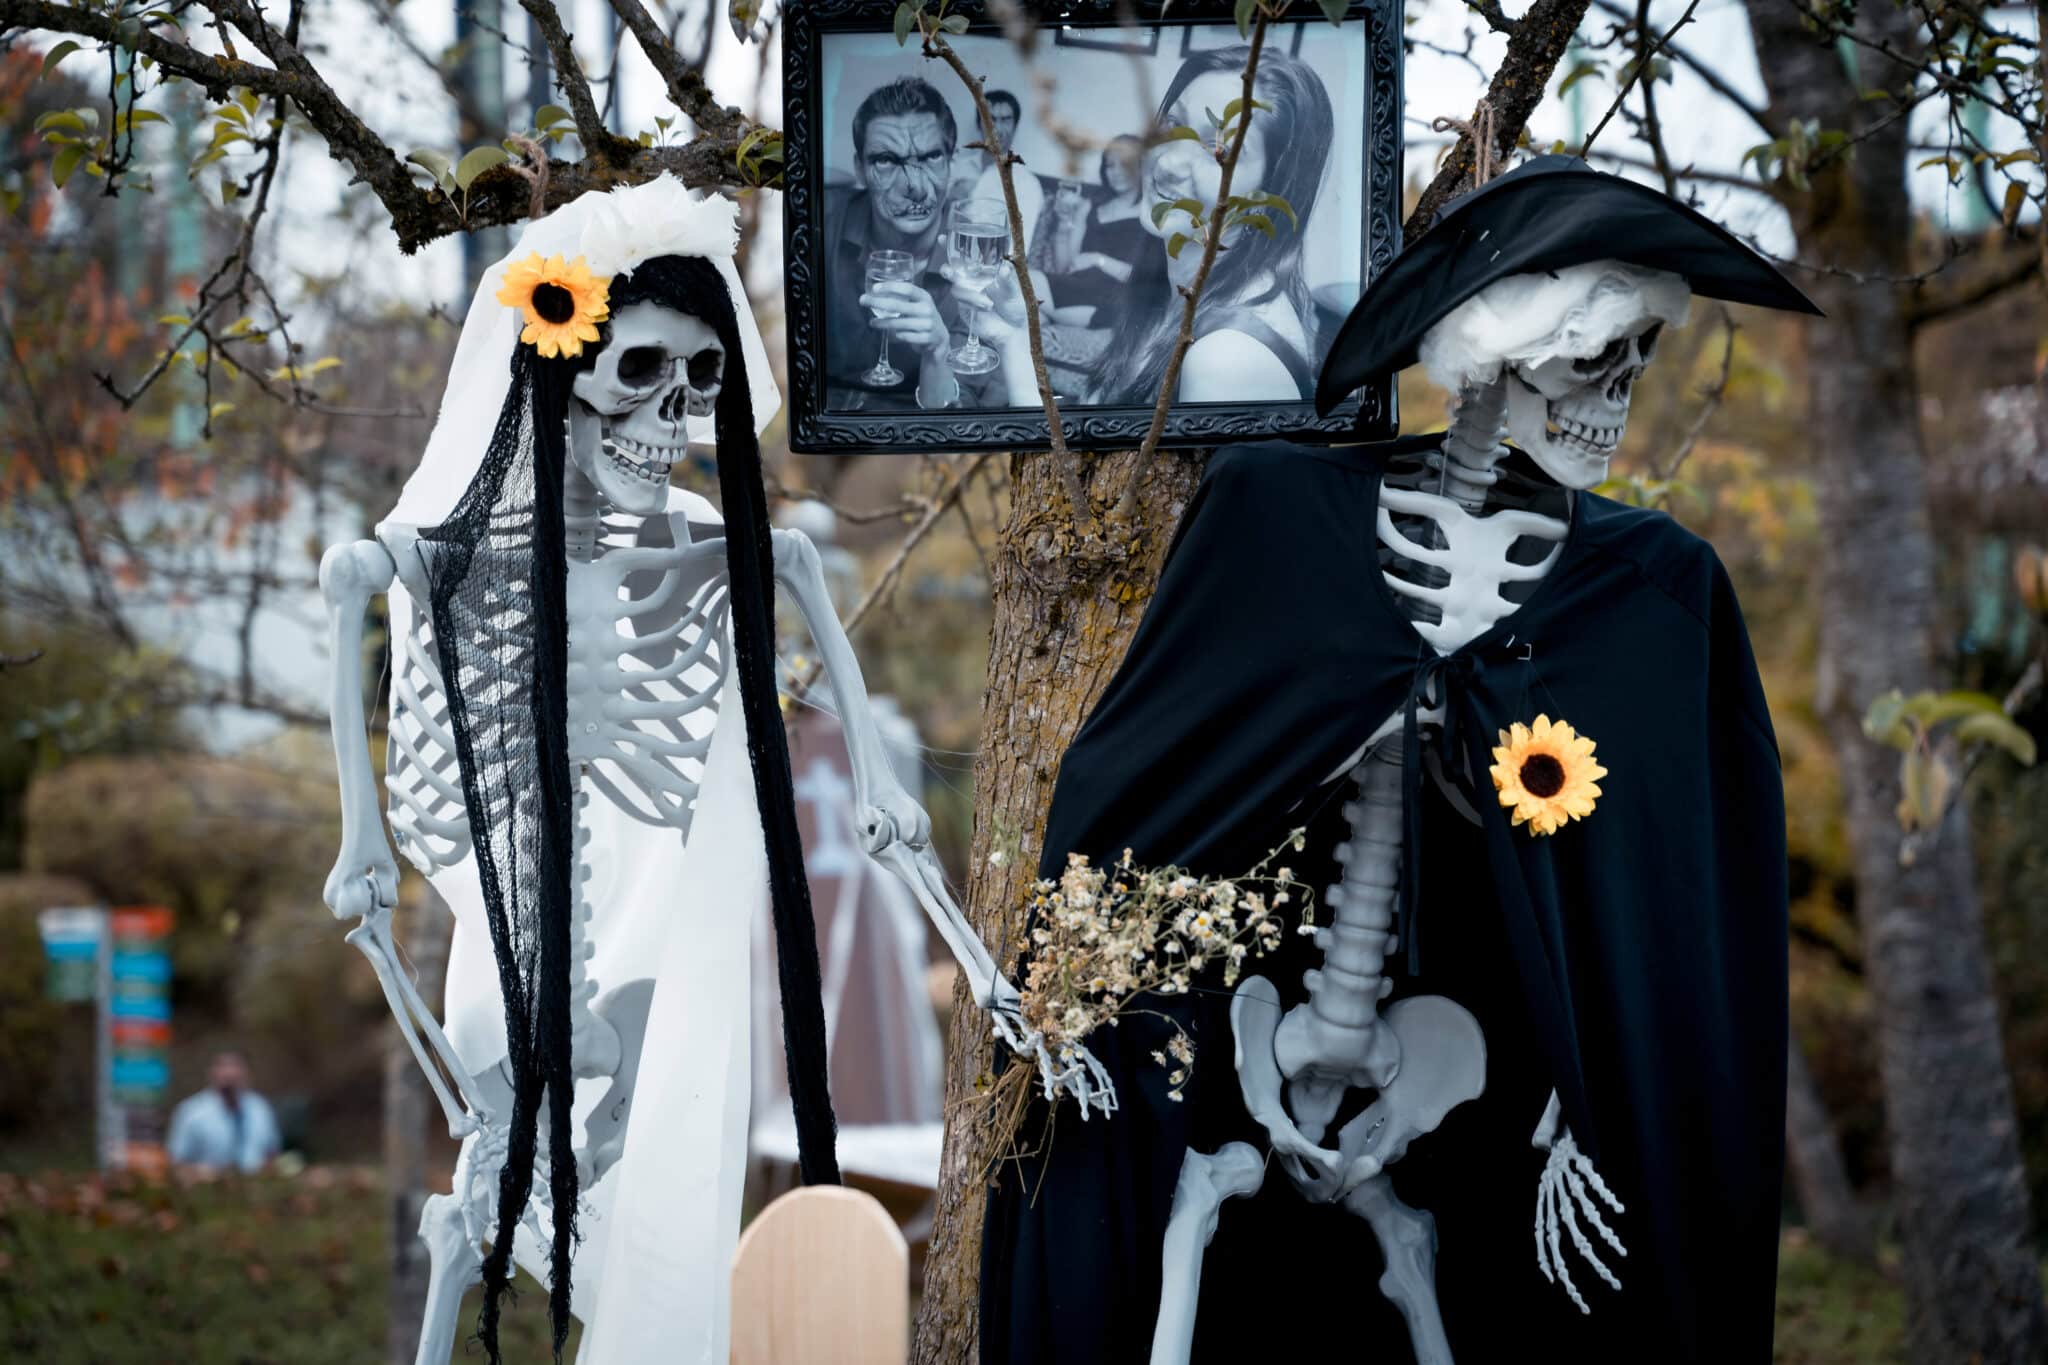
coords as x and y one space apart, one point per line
562 301
1546 774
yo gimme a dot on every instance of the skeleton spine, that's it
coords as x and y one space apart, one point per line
1345 991
1472 446
582 987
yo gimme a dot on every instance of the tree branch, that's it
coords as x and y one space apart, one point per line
1517 88
598 140
1925 308
1713 79
418 215
686 87
1640 22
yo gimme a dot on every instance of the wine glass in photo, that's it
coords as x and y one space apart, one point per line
884 266
976 242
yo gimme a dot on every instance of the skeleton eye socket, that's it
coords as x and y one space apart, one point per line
1594 364
705 367
640 364
1648 340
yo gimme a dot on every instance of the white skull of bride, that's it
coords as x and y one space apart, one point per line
658 369
1571 343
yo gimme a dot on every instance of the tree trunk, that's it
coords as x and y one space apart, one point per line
408 1105
1972 1280
1813 1158
1067 599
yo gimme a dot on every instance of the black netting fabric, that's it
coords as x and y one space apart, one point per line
498 578
499 574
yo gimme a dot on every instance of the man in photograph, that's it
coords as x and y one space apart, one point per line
904 140
1007 112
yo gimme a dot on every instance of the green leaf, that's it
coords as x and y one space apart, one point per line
1180 132
1276 201
743 14
249 99
1580 71
475 162
1934 708
906 20
1245 9
2000 730
1925 782
61 118
1175 243
66 162
220 409
955 24
1885 720
2015 198
174 320
58 54
548 115
435 164
1333 10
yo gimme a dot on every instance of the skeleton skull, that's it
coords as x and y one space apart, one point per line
1570 344
659 368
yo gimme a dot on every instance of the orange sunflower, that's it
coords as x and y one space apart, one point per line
1546 774
563 302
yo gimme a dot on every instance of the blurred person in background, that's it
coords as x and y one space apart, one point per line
226 1126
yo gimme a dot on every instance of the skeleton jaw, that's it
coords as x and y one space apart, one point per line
631 476
1571 449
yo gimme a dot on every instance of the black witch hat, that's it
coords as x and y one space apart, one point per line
1546 214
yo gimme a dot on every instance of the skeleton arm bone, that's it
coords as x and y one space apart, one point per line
896 832
364 881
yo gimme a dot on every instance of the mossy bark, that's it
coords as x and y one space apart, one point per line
1069 592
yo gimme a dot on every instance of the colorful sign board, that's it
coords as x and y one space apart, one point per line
73 940
136 1023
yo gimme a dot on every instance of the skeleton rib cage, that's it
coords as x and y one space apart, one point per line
643 698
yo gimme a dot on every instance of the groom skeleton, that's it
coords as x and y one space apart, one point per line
1608 966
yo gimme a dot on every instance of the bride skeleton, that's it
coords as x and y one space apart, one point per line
567 633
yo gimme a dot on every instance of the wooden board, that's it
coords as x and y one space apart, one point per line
821 1277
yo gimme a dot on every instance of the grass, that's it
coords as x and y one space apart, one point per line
117 1271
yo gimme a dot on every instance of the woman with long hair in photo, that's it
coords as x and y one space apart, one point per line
1255 327
1255 333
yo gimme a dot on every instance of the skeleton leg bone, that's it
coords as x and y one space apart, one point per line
454 1267
1407 1239
1205 1182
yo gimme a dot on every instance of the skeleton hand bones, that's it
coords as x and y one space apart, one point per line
1074 1070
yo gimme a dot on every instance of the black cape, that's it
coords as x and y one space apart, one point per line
1635 960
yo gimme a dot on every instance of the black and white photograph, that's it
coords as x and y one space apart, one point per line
903 303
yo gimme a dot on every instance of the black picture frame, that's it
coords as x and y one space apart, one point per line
815 428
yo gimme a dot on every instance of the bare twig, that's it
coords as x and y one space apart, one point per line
1713 395
1707 73
935 45
934 511
1641 66
1212 242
